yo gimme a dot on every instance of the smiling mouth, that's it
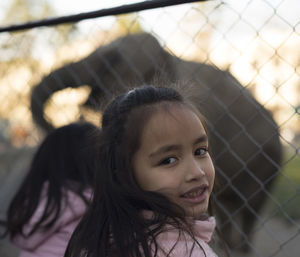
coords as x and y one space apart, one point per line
196 195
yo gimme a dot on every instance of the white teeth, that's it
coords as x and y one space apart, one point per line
194 193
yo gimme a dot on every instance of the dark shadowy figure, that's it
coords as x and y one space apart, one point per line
244 137
56 191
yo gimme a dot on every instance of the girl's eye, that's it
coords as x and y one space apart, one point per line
168 161
201 151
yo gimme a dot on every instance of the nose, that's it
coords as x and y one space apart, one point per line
193 171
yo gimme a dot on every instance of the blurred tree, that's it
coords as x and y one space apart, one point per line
22 44
20 56
27 10
195 30
25 56
127 24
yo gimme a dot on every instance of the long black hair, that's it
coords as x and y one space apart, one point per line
113 224
66 159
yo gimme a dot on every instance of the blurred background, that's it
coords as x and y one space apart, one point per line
257 41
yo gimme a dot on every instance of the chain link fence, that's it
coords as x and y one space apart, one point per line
241 60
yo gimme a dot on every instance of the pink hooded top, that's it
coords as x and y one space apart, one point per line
181 244
53 242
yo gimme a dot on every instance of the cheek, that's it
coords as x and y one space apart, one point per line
146 182
140 172
210 173
145 177
168 184
158 181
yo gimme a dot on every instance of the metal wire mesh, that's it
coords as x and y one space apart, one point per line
239 57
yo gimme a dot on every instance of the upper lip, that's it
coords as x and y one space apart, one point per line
201 187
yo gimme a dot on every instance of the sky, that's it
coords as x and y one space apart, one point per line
280 14
253 10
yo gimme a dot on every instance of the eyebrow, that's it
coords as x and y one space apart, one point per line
201 139
169 148
164 149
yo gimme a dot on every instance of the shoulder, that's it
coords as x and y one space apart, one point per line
72 209
176 242
73 205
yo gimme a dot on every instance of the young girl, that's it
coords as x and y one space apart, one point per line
152 194
54 194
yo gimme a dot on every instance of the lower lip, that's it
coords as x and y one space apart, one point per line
197 199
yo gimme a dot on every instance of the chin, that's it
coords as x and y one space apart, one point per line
197 212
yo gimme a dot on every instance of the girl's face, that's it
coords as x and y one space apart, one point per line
173 159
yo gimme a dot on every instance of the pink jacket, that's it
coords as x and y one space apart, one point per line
181 245
53 242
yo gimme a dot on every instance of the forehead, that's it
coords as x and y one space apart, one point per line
172 121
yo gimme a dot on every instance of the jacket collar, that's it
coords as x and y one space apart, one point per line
202 228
